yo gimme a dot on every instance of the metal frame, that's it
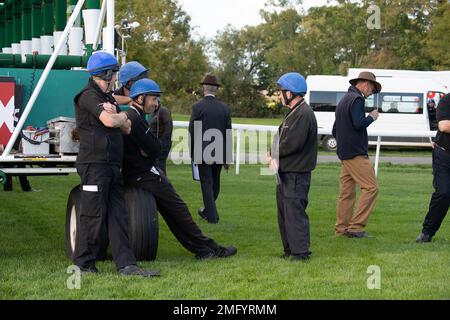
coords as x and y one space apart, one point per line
49 164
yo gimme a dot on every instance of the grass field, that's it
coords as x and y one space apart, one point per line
33 262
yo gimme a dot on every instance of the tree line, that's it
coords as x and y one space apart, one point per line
411 34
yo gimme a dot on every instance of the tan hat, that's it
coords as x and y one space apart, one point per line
368 76
210 80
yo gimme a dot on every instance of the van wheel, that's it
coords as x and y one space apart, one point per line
142 223
73 221
329 143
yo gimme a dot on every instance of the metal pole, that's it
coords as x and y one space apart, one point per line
109 46
238 150
41 81
99 25
377 155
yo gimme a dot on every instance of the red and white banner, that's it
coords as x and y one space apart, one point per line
6 109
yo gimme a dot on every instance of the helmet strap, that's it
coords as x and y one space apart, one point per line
128 85
285 97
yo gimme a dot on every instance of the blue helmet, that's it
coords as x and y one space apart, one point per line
132 70
145 87
101 61
293 82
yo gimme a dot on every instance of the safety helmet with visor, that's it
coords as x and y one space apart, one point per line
293 82
132 71
103 65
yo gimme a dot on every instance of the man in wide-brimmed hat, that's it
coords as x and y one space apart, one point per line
211 144
350 130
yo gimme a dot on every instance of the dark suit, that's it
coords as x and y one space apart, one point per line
211 143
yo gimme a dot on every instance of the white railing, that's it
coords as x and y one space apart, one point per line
321 131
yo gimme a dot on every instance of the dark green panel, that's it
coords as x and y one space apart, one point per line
26 19
17 21
36 19
56 97
48 17
9 23
2 27
60 14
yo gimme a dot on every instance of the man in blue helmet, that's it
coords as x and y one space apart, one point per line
293 157
129 73
161 123
140 153
98 163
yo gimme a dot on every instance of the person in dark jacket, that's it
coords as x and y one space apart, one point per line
350 130
293 157
161 125
440 200
211 144
98 163
141 152
431 107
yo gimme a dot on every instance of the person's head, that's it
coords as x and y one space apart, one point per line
431 103
146 95
131 72
210 85
366 83
293 87
103 67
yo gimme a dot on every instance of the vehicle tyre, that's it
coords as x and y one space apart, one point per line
142 223
73 221
329 143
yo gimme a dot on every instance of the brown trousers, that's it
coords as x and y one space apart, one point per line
358 170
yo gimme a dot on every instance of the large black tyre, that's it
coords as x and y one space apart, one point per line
329 143
142 223
72 222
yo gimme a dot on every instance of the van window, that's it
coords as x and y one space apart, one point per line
409 103
326 101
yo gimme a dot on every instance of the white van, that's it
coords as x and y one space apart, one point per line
402 104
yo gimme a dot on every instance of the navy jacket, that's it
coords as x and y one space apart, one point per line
350 126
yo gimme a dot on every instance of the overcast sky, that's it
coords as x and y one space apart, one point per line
210 16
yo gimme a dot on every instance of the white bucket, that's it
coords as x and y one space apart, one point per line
56 36
76 41
90 18
46 45
36 45
16 49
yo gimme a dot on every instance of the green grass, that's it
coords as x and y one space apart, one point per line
33 262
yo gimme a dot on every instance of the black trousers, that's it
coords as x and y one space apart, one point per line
175 212
24 183
102 209
440 200
292 200
210 184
